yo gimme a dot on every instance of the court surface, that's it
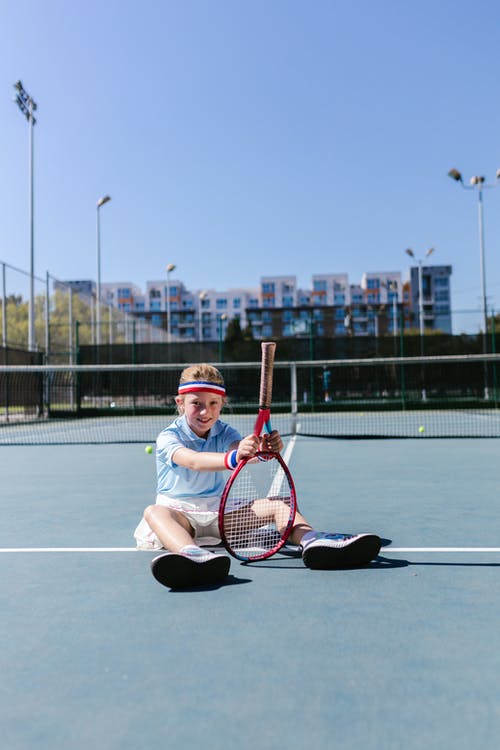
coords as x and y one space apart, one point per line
403 653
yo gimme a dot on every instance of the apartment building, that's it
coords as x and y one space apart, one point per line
376 306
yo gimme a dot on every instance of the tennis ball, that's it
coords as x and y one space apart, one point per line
148 449
421 428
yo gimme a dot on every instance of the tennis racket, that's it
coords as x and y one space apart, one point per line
258 505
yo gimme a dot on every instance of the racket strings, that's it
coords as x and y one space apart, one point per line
258 508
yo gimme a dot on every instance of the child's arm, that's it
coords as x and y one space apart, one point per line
199 461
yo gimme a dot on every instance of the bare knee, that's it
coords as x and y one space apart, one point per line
160 514
153 511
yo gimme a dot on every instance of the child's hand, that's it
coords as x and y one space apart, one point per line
248 447
271 442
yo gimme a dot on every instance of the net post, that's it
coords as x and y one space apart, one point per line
77 381
293 396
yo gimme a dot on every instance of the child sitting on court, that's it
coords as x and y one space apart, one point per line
191 458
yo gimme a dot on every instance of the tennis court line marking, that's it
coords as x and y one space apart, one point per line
287 454
439 549
384 550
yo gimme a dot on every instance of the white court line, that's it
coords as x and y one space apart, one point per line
289 449
384 550
439 549
69 549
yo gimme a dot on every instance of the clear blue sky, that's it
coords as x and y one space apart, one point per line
239 139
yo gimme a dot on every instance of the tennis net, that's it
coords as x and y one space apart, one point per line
454 396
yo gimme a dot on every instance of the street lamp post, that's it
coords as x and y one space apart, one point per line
410 252
100 202
171 267
202 296
27 105
478 183
392 286
222 319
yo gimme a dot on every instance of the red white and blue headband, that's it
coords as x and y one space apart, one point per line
201 385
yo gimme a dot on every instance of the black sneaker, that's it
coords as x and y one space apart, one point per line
183 571
328 551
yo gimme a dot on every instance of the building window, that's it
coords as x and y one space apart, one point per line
441 281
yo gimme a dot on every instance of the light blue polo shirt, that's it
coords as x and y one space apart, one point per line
178 481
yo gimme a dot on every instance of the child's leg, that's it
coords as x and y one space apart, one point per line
170 526
279 512
300 527
185 564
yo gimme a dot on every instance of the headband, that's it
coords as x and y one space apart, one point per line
201 385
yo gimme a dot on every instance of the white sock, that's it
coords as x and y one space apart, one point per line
191 549
309 536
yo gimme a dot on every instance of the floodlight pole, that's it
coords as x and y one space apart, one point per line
100 202
202 296
478 183
410 252
27 105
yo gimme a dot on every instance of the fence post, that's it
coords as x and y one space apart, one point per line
401 354
4 308
493 351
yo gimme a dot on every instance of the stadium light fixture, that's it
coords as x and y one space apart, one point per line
27 105
100 202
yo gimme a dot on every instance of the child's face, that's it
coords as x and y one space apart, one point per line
201 409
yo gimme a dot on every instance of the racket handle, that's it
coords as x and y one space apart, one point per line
268 349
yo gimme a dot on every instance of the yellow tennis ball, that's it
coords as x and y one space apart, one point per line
421 428
148 449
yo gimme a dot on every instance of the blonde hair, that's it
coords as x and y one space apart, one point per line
200 372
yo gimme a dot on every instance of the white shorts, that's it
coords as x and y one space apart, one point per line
205 523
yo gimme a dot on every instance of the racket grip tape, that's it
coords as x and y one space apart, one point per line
266 374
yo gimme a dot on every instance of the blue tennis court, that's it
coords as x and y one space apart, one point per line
399 654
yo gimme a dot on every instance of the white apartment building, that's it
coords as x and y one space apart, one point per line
331 307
